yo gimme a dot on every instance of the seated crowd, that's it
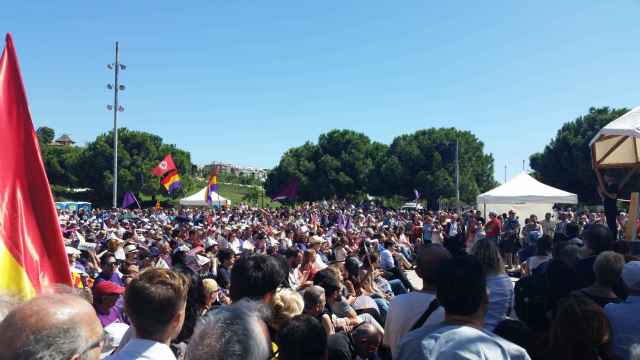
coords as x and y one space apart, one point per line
332 281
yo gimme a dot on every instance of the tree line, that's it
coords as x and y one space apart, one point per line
348 164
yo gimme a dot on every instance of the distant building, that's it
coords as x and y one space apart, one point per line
260 174
64 140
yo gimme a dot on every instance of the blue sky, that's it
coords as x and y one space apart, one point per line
241 82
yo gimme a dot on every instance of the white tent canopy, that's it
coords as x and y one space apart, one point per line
526 195
198 199
618 143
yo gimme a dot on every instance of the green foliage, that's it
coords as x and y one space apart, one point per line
348 164
92 166
566 161
45 135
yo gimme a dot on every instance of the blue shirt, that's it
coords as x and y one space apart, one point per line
625 325
426 232
456 342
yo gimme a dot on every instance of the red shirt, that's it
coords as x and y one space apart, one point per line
493 228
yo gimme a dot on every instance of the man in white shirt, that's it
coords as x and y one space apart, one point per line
406 309
155 303
462 291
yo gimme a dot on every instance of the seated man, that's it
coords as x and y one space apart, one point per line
155 303
232 332
625 316
462 291
51 327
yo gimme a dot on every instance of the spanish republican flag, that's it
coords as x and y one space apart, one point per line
32 253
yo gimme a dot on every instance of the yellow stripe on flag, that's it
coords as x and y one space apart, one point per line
13 279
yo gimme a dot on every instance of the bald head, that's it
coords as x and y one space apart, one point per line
367 339
430 256
50 327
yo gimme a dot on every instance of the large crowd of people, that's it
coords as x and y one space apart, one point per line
333 280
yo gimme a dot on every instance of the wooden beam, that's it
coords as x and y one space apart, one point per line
631 227
612 149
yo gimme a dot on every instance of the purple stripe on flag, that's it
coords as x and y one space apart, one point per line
176 185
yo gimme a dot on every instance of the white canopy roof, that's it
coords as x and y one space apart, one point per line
525 189
198 199
618 143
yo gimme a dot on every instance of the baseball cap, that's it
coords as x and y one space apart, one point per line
631 275
106 287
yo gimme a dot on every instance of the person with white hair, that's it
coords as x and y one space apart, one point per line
232 332
625 316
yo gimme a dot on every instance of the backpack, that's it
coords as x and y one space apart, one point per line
531 300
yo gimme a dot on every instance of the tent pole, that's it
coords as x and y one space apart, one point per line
485 211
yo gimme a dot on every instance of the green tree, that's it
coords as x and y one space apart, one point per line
45 135
138 153
425 160
566 161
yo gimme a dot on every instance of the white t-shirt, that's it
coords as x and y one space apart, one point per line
403 313
455 342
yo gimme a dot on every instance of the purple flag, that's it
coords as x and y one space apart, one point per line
129 199
290 191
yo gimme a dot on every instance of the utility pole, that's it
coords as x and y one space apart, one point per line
458 177
522 165
505 174
116 67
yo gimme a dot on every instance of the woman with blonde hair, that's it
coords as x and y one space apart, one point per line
287 303
498 282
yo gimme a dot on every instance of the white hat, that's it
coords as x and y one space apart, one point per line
71 250
202 260
114 333
131 248
631 275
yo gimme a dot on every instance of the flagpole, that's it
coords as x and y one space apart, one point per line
116 67
457 176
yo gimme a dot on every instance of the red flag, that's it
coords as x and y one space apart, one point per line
32 252
165 165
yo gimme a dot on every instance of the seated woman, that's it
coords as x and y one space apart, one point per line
542 254
580 330
498 283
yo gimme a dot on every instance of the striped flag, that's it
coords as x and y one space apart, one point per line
171 182
32 252
212 185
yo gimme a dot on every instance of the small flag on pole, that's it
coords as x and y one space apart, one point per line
164 166
32 252
129 199
289 191
212 185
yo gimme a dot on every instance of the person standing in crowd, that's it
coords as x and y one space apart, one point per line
510 241
492 228
59 326
542 255
625 316
609 194
155 303
498 282
462 291
405 310
548 225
